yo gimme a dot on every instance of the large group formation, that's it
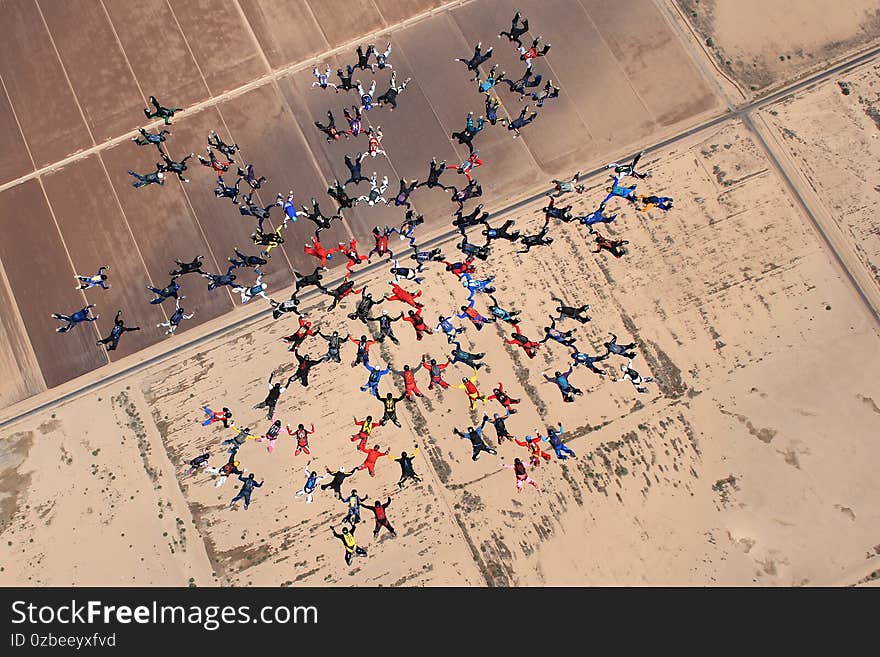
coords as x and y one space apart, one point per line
219 158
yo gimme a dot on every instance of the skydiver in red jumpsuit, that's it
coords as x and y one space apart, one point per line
317 250
503 398
528 346
414 317
402 295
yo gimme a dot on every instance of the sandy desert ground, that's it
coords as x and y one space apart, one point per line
752 449
833 133
759 45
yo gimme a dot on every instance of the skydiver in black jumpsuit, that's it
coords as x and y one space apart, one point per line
500 233
459 355
385 328
192 267
577 313
434 174
334 344
365 305
538 239
119 327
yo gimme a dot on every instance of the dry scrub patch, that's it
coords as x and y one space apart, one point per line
833 133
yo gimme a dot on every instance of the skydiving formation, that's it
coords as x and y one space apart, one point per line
326 328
